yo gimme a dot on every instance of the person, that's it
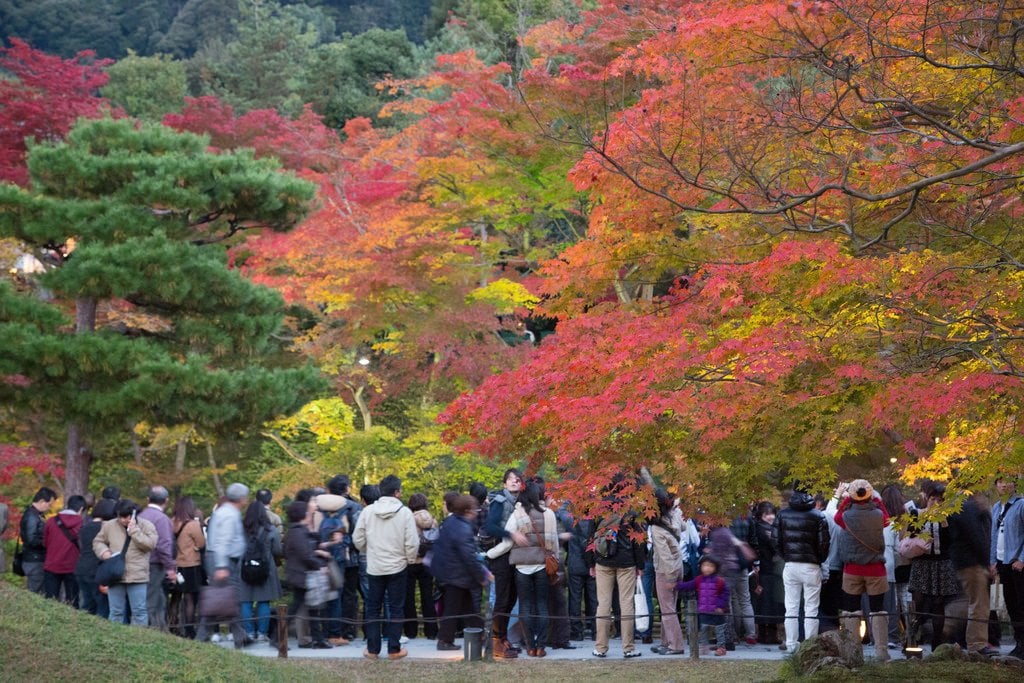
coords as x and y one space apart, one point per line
538 526
131 591
1006 555
736 558
386 532
582 586
712 602
970 531
499 509
832 568
803 541
456 562
90 599
190 542
225 545
60 536
897 567
768 598
31 532
617 559
933 581
352 590
418 574
333 530
260 531
162 558
368 495
264 498
301 555
558 608
668 570
862 517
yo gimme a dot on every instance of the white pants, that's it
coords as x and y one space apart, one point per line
797 578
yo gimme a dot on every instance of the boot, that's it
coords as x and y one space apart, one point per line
500 650
880 632
850 621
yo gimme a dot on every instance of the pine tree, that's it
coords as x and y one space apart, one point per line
131 221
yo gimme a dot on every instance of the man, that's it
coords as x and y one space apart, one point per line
225 545
60 536
161 561
831 569
351 590
617 560
1006 555
804 543
31 530
386 533
582 586
499 510
970 532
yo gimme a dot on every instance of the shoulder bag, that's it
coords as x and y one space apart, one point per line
111 570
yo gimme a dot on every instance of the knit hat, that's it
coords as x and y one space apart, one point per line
860 490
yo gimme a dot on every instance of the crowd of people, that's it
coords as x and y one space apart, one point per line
384 564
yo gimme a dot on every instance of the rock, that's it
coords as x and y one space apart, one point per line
832 649
947 652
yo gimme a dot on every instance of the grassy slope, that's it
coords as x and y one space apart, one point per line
41 640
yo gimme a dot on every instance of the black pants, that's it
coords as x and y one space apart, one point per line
350 594
582 592
1013 594
558 626
420 577
460 604
312 615
831 601
504 595
52 584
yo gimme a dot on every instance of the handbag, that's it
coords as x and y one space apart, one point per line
335 575
318 589
19 559
219 601
111 570
913 546
640 613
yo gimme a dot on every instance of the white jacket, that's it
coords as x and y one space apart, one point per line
386 532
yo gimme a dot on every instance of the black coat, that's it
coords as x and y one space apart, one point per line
628 553
454 560
582 533
970 535
299 557
32 535
802 531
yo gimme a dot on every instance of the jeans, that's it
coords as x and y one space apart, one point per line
52 584
648 583
390 588
132 594
331 610
533 606
420 577
156 597
582 592
261 624
801 578
34 575
91 600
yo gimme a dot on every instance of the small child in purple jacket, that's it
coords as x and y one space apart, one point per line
712 601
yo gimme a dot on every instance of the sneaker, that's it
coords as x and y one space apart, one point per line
750 640
398 655
647 640
262 638
730 647
447 647
666 651
403 640
368 654
629 654
658 649
988 651
720 652
602 655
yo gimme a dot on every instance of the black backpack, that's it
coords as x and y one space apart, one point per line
255 564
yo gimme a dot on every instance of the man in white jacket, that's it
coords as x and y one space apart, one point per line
386 533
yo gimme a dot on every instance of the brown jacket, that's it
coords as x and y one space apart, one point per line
136 562
190 541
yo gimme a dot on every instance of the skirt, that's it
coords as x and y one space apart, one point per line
933 577
195 578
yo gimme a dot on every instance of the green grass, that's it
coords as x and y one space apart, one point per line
41 640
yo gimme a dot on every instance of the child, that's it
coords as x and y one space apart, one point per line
712 601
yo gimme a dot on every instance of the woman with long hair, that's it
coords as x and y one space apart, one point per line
668 570
539 526
262 533
190 542
897 568
933 579
767 596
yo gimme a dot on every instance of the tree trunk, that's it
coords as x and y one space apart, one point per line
213 469
181 449
76 456
364 407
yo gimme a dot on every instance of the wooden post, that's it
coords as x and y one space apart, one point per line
282 631
692 627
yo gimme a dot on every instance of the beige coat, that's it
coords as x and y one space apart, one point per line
136 563
190 541
668 558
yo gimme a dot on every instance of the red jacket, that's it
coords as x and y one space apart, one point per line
61 553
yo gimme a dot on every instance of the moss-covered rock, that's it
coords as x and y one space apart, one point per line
829 650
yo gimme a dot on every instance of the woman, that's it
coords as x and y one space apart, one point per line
110 540
933 580
767 596
301 556
260 529
418 575
539 526
190 542
455 560
668 570
897 568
